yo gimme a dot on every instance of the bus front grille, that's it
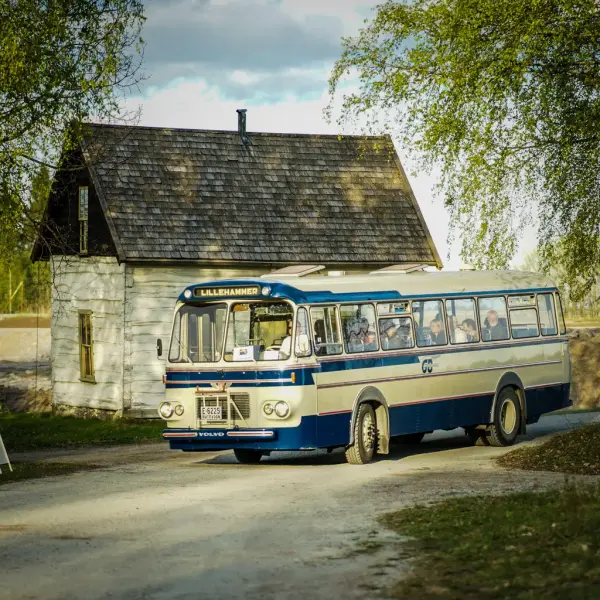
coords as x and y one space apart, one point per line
239 401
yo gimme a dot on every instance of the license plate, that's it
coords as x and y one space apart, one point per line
211 413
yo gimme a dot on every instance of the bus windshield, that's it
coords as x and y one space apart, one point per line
259 331
198 333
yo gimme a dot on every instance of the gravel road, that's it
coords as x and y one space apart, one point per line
154 524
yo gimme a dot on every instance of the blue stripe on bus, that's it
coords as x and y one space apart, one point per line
334 430
253 378
288 292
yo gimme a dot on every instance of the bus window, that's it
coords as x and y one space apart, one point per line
396 333
198 333
429 322
561 315
303 346
258 330
462 321
524 323
546 312
358 326
326 331
493 319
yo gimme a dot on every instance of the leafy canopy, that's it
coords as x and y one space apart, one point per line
504 97
61 61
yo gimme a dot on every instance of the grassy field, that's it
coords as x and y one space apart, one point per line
29 431
35 470
520 547
576 451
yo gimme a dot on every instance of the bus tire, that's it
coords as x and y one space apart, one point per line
248 457
410 438
365 437
507 417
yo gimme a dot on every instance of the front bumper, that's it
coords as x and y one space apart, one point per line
302 437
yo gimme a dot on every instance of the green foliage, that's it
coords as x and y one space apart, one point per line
15 265
61 62
520 547
502 95
576 451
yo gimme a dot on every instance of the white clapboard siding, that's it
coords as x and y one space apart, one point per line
151 293
95 284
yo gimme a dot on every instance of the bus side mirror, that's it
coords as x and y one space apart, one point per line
159 347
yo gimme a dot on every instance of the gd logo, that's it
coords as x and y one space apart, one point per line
427 365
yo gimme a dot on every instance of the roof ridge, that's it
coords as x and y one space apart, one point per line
234 131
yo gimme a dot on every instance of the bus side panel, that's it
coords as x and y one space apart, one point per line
334 429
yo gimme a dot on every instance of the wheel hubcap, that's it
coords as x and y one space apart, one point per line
368 432
508 416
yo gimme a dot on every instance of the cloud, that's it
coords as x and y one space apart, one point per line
281 46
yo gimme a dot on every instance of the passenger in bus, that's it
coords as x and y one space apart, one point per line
496 328
391 339
437 333
470 328
286 345
319 327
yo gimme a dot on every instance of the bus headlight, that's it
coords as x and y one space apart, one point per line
165 410
268 408
282 409
179 410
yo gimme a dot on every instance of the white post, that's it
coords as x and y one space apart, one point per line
4 460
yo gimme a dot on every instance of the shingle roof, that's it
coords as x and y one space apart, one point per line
178 194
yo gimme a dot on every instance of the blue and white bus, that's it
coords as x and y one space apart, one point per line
300 363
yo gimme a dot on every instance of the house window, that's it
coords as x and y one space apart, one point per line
86 347
83 220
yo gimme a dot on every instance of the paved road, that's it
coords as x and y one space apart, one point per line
175 525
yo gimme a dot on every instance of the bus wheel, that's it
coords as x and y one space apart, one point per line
365 437
410 438
507 417
248 457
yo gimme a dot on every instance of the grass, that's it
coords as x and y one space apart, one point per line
523 546
33 470
576 451
28 431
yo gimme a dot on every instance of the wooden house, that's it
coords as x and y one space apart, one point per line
138 213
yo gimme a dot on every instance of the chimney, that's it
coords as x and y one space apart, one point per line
242 125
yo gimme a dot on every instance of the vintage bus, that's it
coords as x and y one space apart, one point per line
306 362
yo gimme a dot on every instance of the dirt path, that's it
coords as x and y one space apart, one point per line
158 525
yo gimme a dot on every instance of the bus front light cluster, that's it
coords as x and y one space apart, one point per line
165 410
281 409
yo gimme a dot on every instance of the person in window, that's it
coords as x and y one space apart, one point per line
437 333
286 345
470 328
319 329
497 329
391 338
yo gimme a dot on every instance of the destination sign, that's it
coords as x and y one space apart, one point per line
227 292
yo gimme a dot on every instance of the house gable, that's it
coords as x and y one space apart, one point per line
60 232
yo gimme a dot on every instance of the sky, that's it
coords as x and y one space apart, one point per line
205 58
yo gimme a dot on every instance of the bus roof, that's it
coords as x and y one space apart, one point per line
376 286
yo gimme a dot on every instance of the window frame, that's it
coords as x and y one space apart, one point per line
442 300
560 319
83 219
477 323
375 317
308 333
84 316
390 317
553 305
510 327
339 326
